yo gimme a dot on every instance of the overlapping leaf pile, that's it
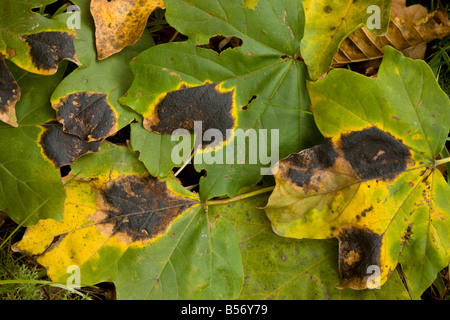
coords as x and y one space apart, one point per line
122 216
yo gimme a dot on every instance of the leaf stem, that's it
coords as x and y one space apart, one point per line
239 197
174 36
446 155
186 162
441 161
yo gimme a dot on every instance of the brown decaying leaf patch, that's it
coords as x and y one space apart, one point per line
410 29
137 208
356 157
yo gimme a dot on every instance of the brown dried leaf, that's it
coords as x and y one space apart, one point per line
410 29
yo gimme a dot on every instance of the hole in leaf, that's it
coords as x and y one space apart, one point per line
248 103
56 241
120 137
190 177
220 43
65 170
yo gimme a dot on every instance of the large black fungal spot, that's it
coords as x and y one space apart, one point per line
358 249
303 165
62 148
9 89
374 153
49 48
179 109
140 207
87 115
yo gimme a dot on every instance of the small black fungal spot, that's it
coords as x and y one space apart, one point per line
49 48
87 115
180 108
327 9
365 211
374 153
61 148
140 207
407 235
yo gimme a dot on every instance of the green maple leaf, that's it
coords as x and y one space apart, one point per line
149 236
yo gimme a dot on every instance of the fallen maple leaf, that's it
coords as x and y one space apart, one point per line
374 182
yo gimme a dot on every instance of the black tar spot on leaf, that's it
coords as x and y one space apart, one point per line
365 211
61 148
140 207
374 153
302 166
358 249
179 109
9 89
86 115
49 48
